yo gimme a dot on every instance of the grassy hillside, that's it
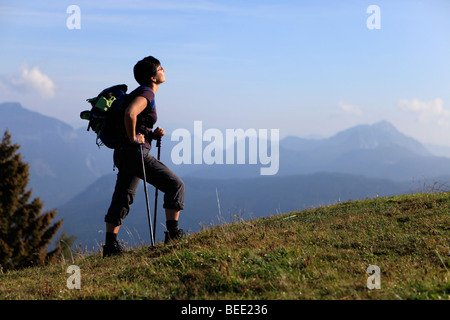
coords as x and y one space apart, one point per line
322 253
251 198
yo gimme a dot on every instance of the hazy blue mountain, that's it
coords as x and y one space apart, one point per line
377 150
63 161
361 137
379 135
69 171
440 151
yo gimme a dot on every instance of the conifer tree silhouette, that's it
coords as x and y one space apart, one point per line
25 232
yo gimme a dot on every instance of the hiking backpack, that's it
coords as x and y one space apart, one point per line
106 117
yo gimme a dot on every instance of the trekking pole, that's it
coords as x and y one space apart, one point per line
146 198
158 144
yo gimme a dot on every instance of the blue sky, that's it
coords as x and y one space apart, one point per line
304 67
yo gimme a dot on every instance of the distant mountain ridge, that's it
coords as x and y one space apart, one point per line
63 161
69 171
378 151
362 136
380 134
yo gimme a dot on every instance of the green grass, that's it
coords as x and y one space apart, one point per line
321 253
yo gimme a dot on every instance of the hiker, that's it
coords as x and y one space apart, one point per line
140 116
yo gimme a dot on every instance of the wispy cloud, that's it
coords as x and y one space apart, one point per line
426 109
349 108
30 80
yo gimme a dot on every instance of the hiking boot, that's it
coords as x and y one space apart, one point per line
173 235
112 249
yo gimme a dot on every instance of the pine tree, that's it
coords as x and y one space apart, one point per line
24 232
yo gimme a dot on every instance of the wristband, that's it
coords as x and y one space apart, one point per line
135 140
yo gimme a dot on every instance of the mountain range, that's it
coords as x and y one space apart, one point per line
63 161
69 172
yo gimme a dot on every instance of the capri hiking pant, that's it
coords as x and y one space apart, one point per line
129 162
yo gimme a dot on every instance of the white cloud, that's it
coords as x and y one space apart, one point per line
425 109
31 80
350 108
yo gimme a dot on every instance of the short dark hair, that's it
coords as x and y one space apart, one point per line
145 69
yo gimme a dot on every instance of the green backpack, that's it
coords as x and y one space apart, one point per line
106 116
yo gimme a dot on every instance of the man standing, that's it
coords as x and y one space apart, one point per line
140 116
